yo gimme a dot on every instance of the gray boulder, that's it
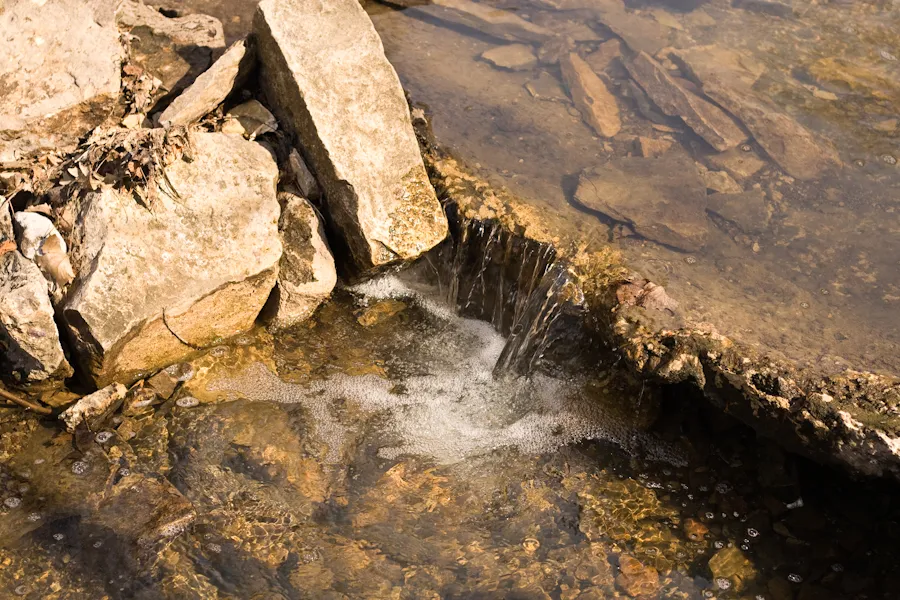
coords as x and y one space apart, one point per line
326 75
153 285
306 273
59 73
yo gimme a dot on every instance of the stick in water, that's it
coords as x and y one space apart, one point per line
24 403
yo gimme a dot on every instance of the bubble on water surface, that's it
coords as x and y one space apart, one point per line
12 502
795 578
59 536
103 437
723 583
79 467
187 402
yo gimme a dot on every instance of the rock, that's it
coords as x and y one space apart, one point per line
7 234
695 530
731 564
635 578
165 382
737 163
552 51
211 88
546 87
707 120
601 58
639 33
379 312
662 199
95 407
250 119
719 181
306 273
303 177
30 351
727 77
491 21
175 51
515 57
652 147
765 7
349 111
40 241
153 285
646 294
59 74
595 103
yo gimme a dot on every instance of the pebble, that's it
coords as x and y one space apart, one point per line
187 402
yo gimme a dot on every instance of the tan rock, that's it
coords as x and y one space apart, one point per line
704 118
546 87
344 101
738 163
719 181
94 407
747 210
492 21
594 101
635 578
250 119
380 312
601 58
731 564
652 147
153 285
303 177
514 57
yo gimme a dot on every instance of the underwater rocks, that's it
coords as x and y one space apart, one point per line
595 103
486 19
59 73
210 88
333 87
153 285
306 273
94 407
514 57
662 199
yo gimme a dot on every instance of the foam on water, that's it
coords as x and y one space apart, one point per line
457 409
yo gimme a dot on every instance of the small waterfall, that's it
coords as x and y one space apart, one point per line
517 285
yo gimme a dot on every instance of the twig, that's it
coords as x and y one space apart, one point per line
24 403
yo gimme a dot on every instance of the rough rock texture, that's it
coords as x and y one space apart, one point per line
597 106
152 285
303 177
94 407
362 147
727 78
59 73
662 199
173 50
747 210
738 163
306 274
515 57
210 88
30 351
706 119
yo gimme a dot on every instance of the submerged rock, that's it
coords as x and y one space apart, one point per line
93 408
153 285
707 120
59 68
324 70
662 199
492 21
306 273
594 101
211 88
603 56
515 57
747 210
738 163
765 7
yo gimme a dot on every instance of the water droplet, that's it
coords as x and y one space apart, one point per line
79 467
97 544
34 517
795 578
12 502
837 568
187 402
723 583
752 532
59 537
722 488
103 437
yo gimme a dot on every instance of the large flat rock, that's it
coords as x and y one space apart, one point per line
324 70
59 73
153 285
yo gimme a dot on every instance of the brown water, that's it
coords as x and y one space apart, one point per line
372 454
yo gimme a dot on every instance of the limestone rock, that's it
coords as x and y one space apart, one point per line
738 163
94 407
707 120
211 88
601 58
303 177
173 50
306 273
250 119
636 579
153 285
30 350
492 21
662 199
515 57
324 70
727 77
59 73
595 103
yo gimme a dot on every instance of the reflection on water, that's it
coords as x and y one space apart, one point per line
384 461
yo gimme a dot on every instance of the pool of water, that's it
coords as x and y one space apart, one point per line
374 453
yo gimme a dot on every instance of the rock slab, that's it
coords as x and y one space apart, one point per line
325 73
594 101
153 285
59 73
306 273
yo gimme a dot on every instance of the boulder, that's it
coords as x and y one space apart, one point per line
59 73
306 274
211 88
153 285
326 75
30 351
591 97
173 50
663 199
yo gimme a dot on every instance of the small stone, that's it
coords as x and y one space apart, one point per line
93 408
489 20
652 147
250 119
514 57
597 105
187 402
731 564
601 58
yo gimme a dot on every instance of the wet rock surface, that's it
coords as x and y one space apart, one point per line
590 95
